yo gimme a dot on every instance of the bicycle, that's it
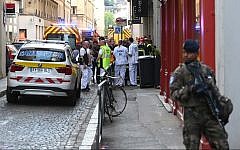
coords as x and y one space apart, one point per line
114 97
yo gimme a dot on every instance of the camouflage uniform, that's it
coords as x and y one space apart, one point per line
198 118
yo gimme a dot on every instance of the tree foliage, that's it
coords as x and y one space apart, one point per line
108 20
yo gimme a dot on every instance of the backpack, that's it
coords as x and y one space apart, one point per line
225 107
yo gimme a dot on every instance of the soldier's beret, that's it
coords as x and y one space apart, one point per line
191 46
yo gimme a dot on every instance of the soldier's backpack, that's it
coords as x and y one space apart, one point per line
225 109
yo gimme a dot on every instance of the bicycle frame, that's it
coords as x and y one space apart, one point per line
100 114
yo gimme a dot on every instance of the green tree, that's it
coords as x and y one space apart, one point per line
108 20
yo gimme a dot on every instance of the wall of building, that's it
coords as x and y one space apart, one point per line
44 8
35 15
64 10
227 61
137 30
89 10
34 26
83 17
2 43
122 10
99 16
12 28
156 24
12 24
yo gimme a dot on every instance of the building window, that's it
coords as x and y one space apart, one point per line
36 32
74 8
22 34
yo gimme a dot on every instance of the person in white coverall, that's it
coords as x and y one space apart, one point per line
120 53
90 60
133 62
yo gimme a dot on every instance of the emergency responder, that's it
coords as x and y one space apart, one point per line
84 56
149 47
120 53
141 44
75 53
90 63
133 62
95 50
111 44
103 58
199 118
95 36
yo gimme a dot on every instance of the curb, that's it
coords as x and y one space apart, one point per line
166 105
3 86
88 141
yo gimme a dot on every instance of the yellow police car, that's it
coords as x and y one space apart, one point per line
44 68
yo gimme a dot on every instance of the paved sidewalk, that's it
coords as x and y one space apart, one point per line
145 124
3 86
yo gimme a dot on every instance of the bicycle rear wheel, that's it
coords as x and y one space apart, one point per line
107 104
119 100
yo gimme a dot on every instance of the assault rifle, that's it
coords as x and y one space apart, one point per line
201 88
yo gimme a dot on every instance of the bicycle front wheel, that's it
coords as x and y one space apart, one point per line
119 99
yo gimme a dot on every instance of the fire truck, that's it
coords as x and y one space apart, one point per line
64 32
118 34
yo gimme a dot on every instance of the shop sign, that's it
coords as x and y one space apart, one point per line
10 8
140 8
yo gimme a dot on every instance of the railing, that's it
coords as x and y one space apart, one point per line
100 113
100 92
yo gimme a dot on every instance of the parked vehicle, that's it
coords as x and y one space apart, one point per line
64 32
44 68
12 51
19 44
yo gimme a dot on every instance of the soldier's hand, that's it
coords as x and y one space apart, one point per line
193 88
198 88
188 89
184 92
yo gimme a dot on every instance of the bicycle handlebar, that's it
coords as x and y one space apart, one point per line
105 74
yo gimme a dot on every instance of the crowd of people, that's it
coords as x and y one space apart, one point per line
102 54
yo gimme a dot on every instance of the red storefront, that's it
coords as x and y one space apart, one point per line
181 20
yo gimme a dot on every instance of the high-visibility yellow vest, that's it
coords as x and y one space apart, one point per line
106 55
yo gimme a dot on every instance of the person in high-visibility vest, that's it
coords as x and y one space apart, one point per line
104 56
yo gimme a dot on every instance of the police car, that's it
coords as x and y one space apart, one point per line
44 68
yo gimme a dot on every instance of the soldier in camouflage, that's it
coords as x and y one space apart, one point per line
198 117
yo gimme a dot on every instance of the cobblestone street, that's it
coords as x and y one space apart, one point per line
45 123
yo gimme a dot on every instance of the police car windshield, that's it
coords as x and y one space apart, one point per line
46 55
